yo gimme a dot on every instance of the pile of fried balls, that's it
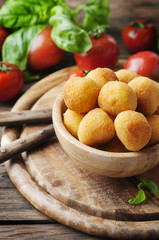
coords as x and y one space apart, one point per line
105 104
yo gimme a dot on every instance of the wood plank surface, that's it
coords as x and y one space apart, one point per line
67 193
13 206
42 231
122 12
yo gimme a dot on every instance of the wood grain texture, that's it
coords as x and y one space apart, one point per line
21 209
13 206
72 196
25 117
26 143
41 231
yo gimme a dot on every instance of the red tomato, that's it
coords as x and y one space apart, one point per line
11 81
140 35
78 72
104 53
145 63
43 52
3 34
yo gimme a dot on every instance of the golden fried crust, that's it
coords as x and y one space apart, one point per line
115 97
157 111
147 92
96 127
153 120
80 94
102 76
133 130
125 75
114 145
72 120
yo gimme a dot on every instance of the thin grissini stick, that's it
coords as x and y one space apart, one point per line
27 117
22 144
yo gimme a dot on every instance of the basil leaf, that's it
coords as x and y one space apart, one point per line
66 34
96 15
16 47
150 185
139 198
15 14
29 78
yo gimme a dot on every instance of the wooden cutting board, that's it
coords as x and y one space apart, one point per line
65 192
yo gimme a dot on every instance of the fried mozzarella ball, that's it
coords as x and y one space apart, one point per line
157 111
114 145
133 130
72 120
115 97
80 94
95 128
153 120
101 76
125 75
147 92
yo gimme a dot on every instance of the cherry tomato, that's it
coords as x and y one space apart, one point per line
43 52
78 72
11 81
145 63
104 53
140 35
3 35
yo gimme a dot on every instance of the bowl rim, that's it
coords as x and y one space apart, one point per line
57 117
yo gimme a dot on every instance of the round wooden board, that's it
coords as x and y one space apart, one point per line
65 192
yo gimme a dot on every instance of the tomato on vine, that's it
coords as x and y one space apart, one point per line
144 63
103 53
140 35
44 53
78 72
3 35
11 81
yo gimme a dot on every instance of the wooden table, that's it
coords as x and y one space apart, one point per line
18 218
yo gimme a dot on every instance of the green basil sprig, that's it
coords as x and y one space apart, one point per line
65 34
16 14
27 18
139 198
148 184
28 78
17 45
96 15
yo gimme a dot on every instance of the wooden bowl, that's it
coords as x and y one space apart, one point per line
105 163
